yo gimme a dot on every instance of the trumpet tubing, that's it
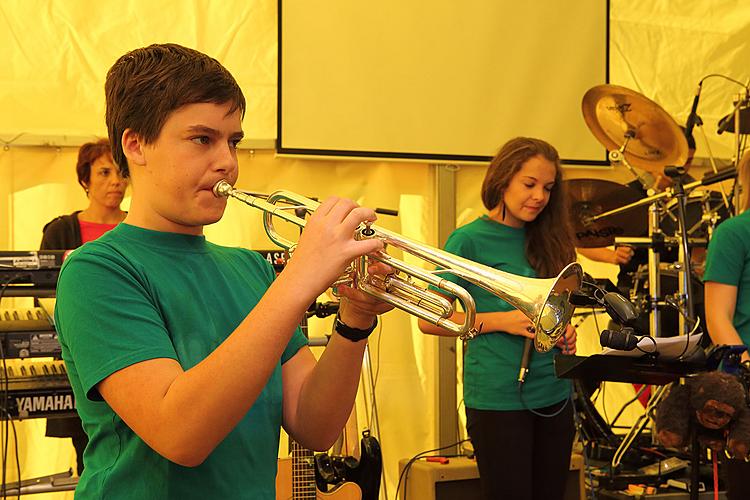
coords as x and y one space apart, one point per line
544 301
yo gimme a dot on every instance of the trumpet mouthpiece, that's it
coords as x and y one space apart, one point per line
222 189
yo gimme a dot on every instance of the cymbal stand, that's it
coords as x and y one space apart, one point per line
740 100
683 257
618 156
655 211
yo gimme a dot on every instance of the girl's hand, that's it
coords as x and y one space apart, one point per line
516 323
568 341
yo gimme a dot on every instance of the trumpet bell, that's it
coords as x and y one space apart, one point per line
553 316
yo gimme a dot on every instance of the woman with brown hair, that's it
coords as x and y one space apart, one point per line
522 433
105 189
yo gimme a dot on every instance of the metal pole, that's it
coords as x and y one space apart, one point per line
447 417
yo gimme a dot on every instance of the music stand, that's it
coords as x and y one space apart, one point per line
646 370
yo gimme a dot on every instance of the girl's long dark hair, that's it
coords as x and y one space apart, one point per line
549 237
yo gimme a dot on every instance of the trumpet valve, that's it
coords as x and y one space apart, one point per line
368 231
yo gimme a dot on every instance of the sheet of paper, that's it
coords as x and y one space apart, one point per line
669 348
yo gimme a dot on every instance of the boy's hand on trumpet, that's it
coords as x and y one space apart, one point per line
327 245
358 308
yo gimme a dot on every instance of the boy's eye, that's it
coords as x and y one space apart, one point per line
203 140
235 143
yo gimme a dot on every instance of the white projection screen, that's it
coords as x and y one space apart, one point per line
442 80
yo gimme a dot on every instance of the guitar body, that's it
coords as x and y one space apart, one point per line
365 472
344 491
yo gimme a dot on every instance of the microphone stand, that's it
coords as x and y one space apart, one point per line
683 258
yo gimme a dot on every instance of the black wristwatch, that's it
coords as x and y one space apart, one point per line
353 334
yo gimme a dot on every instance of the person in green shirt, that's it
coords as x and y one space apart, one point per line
522 433
727 296
185 357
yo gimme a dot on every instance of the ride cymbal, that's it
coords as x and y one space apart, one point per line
591 197
614 113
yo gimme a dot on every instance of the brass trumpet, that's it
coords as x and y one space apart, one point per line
544 301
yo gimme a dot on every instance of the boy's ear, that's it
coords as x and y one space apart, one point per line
132 147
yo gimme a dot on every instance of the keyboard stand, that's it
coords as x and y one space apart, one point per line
62 481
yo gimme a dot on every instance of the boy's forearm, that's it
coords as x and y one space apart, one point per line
327 396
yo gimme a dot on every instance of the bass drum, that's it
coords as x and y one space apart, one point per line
669 282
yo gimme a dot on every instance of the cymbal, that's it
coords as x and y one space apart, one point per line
613 112
744 121
591 197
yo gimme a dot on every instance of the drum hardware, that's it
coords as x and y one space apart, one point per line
644 134
737 122
685 283
655 212
617 157
620 120
707 180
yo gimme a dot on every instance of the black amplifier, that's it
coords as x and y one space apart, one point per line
28 333
37 268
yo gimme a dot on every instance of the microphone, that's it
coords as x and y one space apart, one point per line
619 308
524 361
693 119
621 340
724 124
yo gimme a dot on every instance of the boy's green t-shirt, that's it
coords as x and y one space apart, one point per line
493 360
728 262
134 295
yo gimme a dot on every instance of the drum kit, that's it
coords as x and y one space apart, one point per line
662 211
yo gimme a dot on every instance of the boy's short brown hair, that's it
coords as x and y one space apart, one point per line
146 85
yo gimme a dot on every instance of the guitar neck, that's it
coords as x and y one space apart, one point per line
303 473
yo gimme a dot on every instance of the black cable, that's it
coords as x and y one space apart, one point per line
405 472
694 322
653 342
556 412
373 409
15 442
719 75
4 406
